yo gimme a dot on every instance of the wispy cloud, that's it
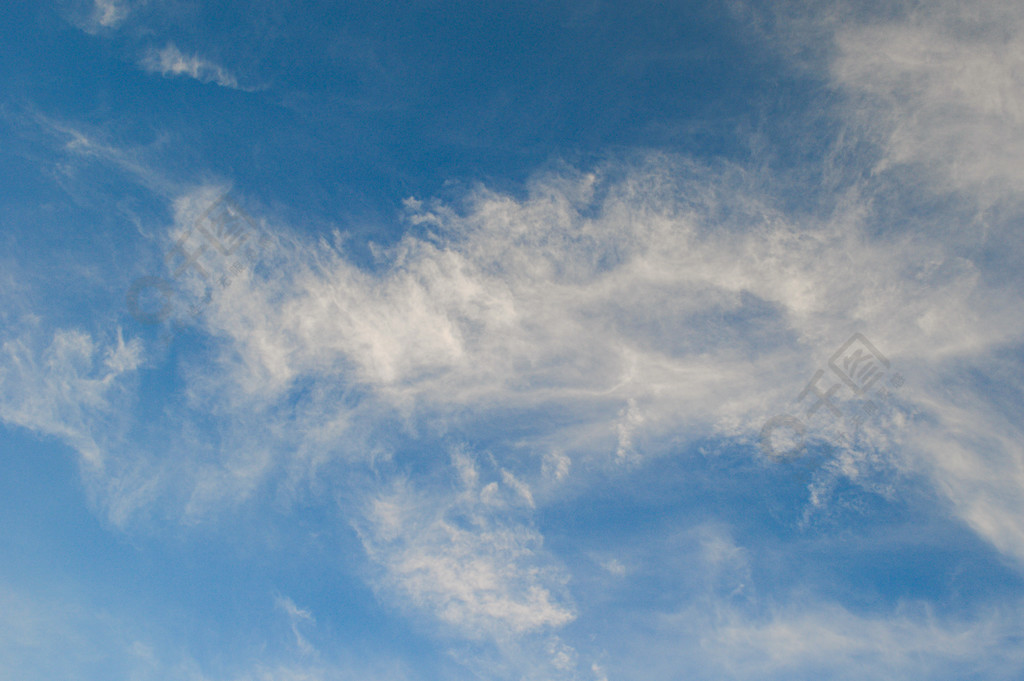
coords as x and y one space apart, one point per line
738 622
674 304
64 388
620 313
948 101
296 616
649 311
170 61
110 13
79 146
826 638
464 557
101 16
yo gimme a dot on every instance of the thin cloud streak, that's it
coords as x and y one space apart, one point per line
170 61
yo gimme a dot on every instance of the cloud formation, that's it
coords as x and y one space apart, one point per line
598 320
464 557
68 388
110 13
827 639
170 61
941 87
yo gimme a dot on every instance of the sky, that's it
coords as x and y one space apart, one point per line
514 341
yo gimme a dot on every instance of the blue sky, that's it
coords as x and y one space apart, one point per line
553 341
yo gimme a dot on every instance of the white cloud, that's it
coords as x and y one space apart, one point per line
465 558
296 616
624 313
939 89
110 13
555 466
170 61
652 310
943 90
614 567
100 16
737 623
827 639
696 324
65 389
974 454
648 311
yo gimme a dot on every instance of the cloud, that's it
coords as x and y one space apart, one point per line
81 148
625 312
464 557
296 615
828 639
170 61
738 620
614 567
645 308
607 316
938 89
468 556
638 308
941 88
100 16
68 388
110 13
974 454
